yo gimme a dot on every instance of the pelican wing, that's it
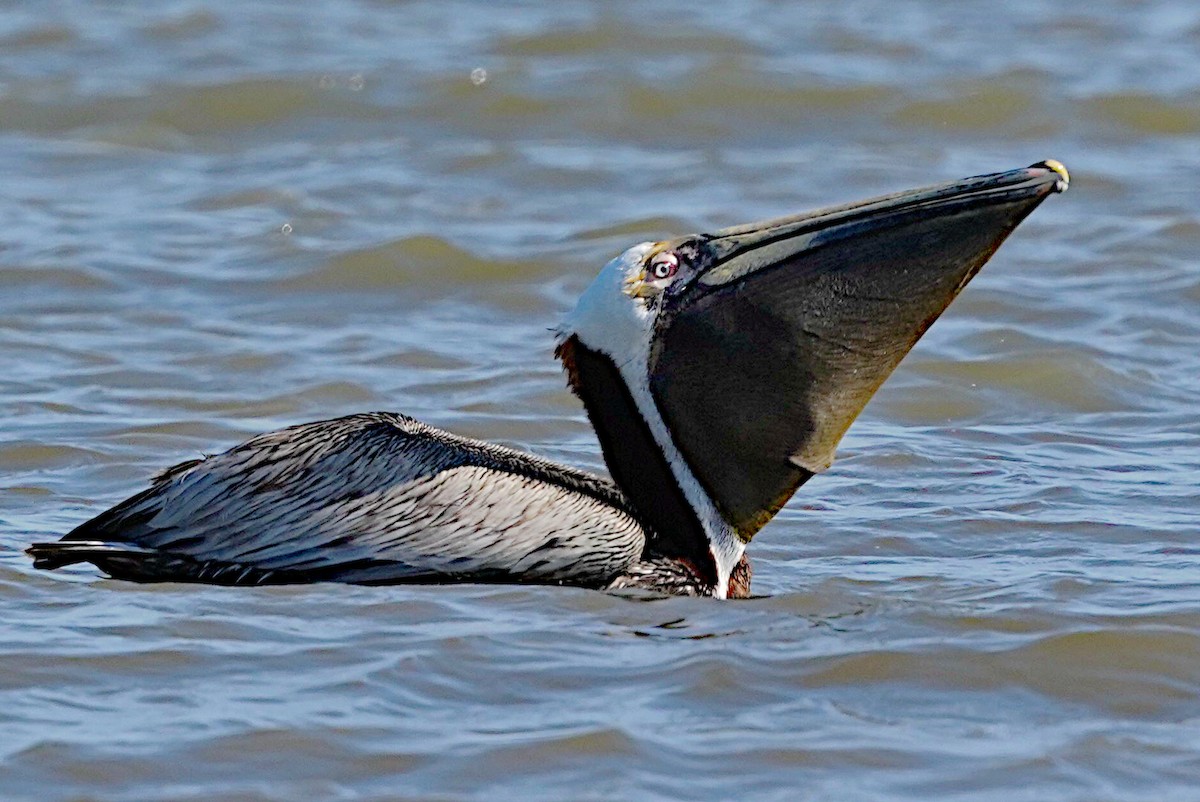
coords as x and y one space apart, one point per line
375 498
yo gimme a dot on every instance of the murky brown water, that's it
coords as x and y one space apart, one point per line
216 220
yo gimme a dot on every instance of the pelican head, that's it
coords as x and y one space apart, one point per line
721 370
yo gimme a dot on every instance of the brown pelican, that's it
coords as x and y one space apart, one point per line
719 371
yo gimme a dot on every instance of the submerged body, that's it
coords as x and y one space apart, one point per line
719 371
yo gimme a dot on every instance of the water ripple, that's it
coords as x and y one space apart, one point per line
224 220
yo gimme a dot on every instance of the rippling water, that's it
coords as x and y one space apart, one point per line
217 220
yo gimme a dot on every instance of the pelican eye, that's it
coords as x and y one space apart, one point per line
664 265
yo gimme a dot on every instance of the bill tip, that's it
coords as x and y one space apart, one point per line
1055 166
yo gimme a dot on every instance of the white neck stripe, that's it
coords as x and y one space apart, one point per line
606 319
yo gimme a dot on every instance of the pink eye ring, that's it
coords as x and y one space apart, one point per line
664 265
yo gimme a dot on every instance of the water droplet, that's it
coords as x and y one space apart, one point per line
327 82
357 82
478 76
286 228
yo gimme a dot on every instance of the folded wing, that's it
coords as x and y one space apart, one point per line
373 498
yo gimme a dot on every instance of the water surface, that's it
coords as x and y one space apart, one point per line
217 220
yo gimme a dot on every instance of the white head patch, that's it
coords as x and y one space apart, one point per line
605 318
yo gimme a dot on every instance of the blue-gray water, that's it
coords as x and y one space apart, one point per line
220 218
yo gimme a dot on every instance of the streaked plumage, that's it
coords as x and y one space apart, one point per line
375 498
719 371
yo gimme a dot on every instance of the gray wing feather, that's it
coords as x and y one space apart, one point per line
380 497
